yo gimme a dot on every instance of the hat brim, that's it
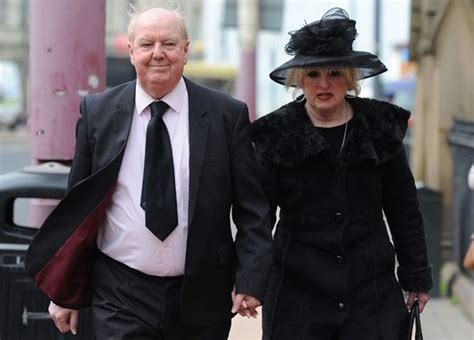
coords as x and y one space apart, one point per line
368 64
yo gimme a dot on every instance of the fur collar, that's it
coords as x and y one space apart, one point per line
287 137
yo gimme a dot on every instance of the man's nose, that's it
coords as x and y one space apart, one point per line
158 51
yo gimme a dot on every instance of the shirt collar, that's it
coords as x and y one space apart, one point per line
174 99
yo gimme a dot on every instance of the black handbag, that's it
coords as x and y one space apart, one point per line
414 323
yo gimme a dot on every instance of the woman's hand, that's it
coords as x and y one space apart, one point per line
245 305
422 297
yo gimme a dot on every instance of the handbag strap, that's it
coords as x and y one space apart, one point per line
419 333
415 321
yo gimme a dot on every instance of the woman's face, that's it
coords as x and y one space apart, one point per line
324 88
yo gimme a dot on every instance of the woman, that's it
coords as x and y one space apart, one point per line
334 164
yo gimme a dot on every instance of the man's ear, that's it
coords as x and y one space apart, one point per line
186 50
130 53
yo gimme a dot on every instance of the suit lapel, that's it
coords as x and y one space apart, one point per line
122 120
198 131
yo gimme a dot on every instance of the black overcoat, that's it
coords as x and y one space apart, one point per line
331 235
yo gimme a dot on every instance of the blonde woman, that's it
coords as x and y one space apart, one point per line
334 163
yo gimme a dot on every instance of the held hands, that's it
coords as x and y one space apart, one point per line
245 305
64 319
422 297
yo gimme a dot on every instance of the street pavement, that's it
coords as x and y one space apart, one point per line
441 320
246 329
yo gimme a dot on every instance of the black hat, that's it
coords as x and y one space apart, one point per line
328 43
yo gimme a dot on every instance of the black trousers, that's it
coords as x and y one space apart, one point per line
130 305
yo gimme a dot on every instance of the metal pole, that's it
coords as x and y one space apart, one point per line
248 23
378 87
67 61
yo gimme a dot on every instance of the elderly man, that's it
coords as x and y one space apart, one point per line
144 232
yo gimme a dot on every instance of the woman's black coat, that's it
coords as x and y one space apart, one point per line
331 235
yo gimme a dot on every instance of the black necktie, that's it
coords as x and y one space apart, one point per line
158 188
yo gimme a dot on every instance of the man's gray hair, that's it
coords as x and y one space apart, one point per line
136 10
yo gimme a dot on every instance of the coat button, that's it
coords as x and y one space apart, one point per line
340 306
339 215
339 259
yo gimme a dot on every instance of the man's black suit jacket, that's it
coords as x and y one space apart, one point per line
223 176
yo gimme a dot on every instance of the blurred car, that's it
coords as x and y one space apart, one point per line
401 92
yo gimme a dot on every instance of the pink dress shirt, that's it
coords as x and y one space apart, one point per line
123 235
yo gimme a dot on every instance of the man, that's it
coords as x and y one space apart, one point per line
99 246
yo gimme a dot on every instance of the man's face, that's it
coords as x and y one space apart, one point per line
158 51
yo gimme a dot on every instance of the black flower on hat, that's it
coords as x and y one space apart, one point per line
326 36
328 43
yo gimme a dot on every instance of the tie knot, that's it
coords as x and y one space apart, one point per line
158 108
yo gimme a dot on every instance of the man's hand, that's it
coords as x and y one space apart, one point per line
64 319
422 297
245 305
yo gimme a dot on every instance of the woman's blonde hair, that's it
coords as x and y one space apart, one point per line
295 76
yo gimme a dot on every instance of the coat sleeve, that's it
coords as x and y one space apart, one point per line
250 214
268 173
82 162
401 209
